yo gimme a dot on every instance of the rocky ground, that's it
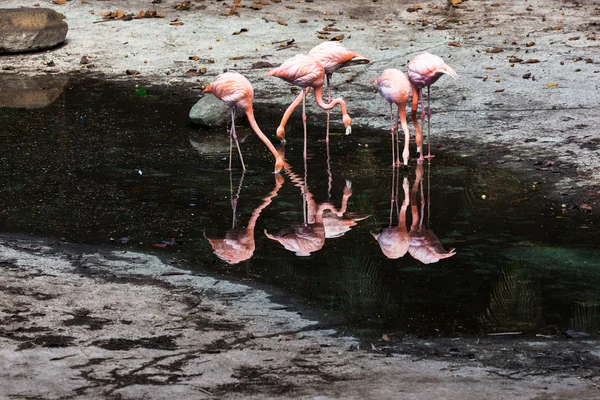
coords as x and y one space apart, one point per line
83 322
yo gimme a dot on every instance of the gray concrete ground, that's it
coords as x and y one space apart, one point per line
81 323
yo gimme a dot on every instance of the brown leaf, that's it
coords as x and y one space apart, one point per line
330 29
589 60
303 21
195 58
281 22
499 90
514 59
530 44
160 15
290 7
493 50
192 72
455 44
261 64
120 14
557 28
338 38
256 6
240 31
495 5
322 37
140 15
59 2
454 2
574 38
490 68
237 58
84 60
131 72
440 27
551 84
176 23
532 61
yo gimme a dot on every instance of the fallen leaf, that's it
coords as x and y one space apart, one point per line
529 44
527 75
532 61
59 2
455 44
589 60
84 60
176 23
490 68
256 6
236 58
499 90
338 38
131 72
240 31
551 84
557 28
303 21
514 59
195 58
261 64
495 5
574 38
454 2
493 50
322 37
281 22
330 29
290 7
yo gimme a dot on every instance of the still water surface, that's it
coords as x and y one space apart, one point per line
104 164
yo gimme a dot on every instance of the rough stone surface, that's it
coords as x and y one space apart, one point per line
30 29
210 112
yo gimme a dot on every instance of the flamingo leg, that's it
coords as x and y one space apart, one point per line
393 196
231 143
304 121
392 132
237 143
398 138
428 125
328 101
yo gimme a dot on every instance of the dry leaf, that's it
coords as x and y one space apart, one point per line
574 38
494 50
236 58
330 29
514 59
551 84
338 38
557 28
454 2
322 37
499 90
59 2
455 44
240 31
490 68
281 22
495 5
303 21
176 23
290 7
256 6
589 60
417 6
131 72
261 64
532 61
529 44
195 58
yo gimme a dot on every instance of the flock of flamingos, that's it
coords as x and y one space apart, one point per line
324 220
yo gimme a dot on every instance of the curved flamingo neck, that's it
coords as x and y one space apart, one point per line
259 133
332 104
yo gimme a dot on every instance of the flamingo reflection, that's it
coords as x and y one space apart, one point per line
321 221
238 244
420 242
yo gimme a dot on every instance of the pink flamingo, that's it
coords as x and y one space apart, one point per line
235 90
424 70
332 56
306 72
395 88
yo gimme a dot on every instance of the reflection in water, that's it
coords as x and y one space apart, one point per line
30 91
515 301
421 243
238 244
321 221
586 317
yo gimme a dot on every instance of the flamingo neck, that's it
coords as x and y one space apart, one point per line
332 104
259 132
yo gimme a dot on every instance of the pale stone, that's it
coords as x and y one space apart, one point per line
30 29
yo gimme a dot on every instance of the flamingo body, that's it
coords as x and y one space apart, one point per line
423 71
236 91
334 56
395 89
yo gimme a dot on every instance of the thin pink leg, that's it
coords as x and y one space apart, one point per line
416 94
397 137
392 132
328 101
237 143
304 122
428 126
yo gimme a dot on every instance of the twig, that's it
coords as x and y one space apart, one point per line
204 391
504 333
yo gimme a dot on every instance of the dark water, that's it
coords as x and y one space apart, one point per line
103 162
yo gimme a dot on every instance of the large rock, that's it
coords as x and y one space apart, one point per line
30 29
210 112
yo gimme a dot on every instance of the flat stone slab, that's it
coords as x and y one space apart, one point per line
30 29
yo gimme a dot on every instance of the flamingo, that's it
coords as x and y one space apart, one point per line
424 244
238 244
236 91
424 70
306 72
332 56
395 88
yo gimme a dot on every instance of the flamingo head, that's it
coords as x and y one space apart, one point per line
348 124
208 89
279 165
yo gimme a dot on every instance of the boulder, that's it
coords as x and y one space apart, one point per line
30 29
210 112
